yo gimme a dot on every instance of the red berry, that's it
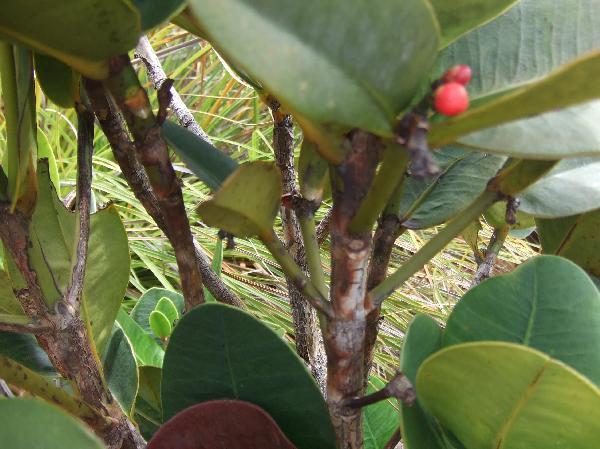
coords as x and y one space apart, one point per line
451 99
459 73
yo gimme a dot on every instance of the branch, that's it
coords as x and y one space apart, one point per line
157 75
152 151
85 148
484 269
134 174
399 387
322 230
5 390
309 341
432 247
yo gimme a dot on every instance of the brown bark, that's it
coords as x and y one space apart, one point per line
153 154
136 177
309 342
388 230
345 332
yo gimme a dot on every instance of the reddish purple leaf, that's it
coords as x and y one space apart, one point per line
221 424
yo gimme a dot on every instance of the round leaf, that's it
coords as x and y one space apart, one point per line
28 423
548 303
247 202
149 301
160 324
166 307
325 60
224 423
419 429
502 395
218 352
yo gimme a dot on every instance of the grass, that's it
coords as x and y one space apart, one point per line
238 123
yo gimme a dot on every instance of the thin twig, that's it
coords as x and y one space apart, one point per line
85 148
157 75
309 341
152 152
484 269
22 325
322 230
399 387
5 389
136 177
394 440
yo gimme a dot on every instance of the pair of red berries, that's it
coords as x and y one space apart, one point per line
451 98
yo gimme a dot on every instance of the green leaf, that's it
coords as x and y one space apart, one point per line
572 187
149 301
81 33
323 60
58 81
120 370
548 303
502 395
247 202
147 351
510 57
149 391
160 324
217 263
576 238
24 349
209 164
53 231
155 12
28 423
380 420
432 201
458 18
419 429
168 309
218 352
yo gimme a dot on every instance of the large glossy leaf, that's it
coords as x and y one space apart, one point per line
325 60
24 349
148 302
432 201
509 57
218 352
380 420
155 12
147 351
81 33
28 423
52 251
502 395
571 188
458 18
217 424
247 202
548 303
209 164
577 238
419 429
120 370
